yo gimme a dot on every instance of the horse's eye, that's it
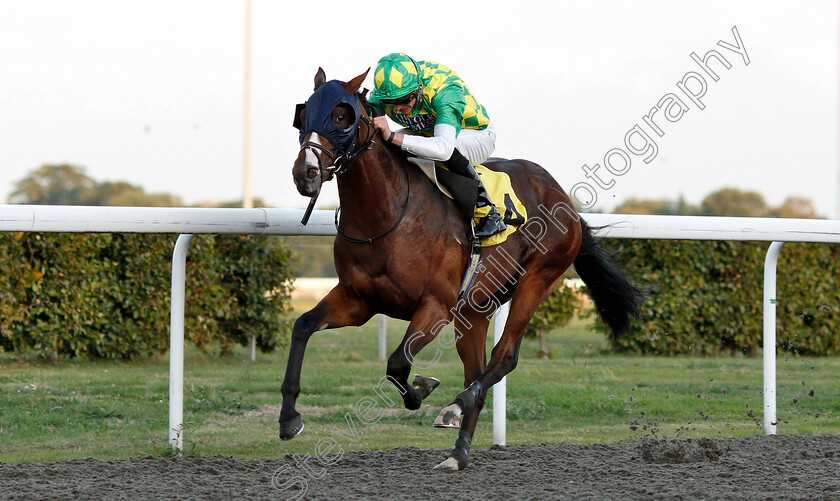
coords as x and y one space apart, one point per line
339 118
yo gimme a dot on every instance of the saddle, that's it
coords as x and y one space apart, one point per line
462 191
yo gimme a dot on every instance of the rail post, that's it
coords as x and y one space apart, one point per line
769 336
500 388
176 342
383 337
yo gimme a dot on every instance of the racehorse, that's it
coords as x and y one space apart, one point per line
402 250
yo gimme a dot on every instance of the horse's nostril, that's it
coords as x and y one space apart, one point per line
311 174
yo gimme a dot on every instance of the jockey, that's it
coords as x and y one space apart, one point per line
443 121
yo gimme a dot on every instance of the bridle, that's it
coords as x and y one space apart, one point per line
341 164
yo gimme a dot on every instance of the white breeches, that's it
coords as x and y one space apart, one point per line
477 145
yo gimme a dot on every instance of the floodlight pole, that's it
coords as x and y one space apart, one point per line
248 198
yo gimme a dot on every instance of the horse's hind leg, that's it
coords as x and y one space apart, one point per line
531 290
425 325
473 353
338 309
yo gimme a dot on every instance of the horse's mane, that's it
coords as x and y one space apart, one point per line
362 95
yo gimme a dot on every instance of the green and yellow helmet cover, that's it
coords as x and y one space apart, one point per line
396 76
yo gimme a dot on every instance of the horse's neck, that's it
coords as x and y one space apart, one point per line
373 188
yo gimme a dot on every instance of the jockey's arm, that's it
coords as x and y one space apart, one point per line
438 147
448 106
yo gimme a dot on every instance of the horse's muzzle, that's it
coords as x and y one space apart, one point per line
308 180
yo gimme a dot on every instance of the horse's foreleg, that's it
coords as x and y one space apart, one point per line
338 309
425 325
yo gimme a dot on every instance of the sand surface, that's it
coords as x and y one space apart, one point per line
758 467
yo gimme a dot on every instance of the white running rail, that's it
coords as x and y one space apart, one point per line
189 221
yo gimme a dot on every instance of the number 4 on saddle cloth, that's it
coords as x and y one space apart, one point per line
499 189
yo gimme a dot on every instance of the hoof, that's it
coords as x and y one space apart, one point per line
292 428
449 417
425 385
451 464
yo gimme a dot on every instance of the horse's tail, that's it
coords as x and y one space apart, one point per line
616 297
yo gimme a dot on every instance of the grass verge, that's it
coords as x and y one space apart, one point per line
108 409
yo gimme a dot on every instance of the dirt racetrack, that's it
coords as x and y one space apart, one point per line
758 467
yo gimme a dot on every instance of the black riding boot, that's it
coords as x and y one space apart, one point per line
490 224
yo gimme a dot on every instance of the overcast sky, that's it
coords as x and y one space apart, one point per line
151 92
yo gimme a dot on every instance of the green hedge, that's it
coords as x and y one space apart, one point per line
708 297
107 295
256 273
556 311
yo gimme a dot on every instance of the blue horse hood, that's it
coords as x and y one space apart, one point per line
318 119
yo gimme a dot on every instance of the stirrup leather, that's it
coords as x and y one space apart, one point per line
472 268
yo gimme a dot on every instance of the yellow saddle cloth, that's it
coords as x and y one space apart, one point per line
507 203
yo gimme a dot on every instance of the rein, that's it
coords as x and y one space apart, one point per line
402 216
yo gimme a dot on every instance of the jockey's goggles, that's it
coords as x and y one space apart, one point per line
402 100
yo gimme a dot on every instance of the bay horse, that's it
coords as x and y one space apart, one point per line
402 250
